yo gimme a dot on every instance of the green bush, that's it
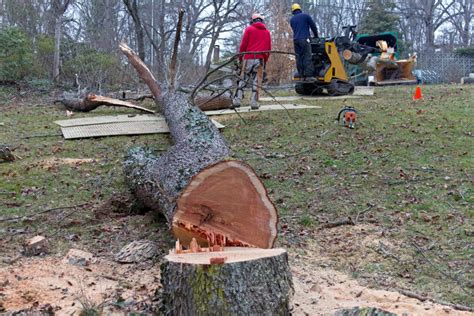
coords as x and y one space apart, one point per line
44 51
15 54
94 68
465 51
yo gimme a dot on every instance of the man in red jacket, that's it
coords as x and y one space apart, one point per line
256 38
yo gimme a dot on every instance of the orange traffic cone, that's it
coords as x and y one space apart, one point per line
417 95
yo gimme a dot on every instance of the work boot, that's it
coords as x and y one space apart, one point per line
254 106
235 104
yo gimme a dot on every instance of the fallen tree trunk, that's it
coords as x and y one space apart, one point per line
204 102
212 102
201 193
242 281
92 102
213 202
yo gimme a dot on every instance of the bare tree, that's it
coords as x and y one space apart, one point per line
223 15
461 18
132 8
59 7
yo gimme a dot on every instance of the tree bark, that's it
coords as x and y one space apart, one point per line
246 282
204 102
132 8
92 101
201 194
57 45
363 311
59 8
211 102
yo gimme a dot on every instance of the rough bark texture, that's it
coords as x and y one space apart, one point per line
137 251
256 287
158 181
363 311
209 102
92 102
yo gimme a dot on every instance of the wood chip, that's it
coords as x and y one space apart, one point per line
35 246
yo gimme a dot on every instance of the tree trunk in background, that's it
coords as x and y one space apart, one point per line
57 46
59 7
132 8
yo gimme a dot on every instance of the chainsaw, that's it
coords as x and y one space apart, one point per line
347 117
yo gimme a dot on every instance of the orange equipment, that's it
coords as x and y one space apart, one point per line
348 115
417 95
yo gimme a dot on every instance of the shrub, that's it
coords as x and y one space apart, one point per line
15 54
94 68
465 51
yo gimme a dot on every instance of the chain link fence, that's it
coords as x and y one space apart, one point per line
440 67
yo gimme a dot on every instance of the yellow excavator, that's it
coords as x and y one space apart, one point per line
329 54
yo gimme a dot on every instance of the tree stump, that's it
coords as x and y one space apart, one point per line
244 281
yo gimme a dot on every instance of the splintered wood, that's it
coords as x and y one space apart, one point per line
195 248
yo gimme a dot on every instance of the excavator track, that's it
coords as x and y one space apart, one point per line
339 87
334 88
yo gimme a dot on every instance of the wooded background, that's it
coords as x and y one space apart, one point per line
50 42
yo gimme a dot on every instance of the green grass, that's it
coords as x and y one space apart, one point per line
413 162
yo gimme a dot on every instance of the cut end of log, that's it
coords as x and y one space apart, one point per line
230 255
226 204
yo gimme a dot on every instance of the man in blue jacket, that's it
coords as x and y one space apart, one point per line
301 23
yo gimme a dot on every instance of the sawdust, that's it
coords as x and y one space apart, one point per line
322 291
37 282
52 163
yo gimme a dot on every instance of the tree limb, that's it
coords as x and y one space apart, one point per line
144 73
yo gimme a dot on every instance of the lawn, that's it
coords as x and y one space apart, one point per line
404 176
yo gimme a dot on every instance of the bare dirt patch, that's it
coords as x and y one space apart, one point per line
55 162
322 291
35 283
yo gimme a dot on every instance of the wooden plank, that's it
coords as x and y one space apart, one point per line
395 82
118 128
302 97
108 119
264 107
364 90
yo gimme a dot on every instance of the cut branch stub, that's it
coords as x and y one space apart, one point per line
144 73
226 204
